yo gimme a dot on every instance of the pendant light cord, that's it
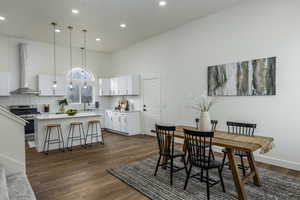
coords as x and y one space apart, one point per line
54 49
71 58
84 41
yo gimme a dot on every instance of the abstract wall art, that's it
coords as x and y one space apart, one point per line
247 78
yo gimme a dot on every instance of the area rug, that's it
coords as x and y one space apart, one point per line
139 175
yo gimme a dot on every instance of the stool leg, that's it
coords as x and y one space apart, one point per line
44 148
48 140
62 139
92 133
72 138
87 133
97 133
102 138
58 136
69 136
79 129
83 134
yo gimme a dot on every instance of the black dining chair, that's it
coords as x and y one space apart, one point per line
240 129
200 157
165 140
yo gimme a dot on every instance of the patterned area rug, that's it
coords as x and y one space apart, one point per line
139 175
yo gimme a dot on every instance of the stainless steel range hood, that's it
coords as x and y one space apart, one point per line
24 89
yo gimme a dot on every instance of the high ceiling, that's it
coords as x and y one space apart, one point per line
30 19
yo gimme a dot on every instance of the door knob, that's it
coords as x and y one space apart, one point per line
144 106
144 109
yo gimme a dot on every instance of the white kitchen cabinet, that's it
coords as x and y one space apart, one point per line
128 123
104 87
4 84
45 85
123 85
133 84
108 119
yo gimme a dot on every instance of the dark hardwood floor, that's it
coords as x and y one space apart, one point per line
81 173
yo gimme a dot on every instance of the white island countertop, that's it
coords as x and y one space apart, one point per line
65 116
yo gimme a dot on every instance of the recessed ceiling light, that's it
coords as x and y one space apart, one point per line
98 39
123 25
162 3
75 11
2 18
57 31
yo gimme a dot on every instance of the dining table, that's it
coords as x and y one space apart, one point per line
231 142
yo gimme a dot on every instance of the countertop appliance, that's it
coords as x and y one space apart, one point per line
27 112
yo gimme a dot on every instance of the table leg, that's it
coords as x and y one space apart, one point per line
236 175
253 168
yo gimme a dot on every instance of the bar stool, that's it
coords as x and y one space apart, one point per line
59 140
94 124
80 137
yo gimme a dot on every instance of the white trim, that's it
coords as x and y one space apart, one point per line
6 113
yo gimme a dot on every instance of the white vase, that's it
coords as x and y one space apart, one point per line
204 123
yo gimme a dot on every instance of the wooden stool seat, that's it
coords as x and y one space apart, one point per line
94 121
53 125
76 123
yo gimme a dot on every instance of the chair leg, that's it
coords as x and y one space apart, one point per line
171 172
243 166
58 136
157 165
187 177
201 174
102 139
72 138
185 165
224 159
87 134
207 184
221 178
212 154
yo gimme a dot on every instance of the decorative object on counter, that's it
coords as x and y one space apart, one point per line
71 112
71 60
54 54
123 105
203 104
247 78
62 103
46 108
97 104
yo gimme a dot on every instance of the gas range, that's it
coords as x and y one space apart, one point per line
27 112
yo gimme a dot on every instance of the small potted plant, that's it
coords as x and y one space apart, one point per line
62 103
203 104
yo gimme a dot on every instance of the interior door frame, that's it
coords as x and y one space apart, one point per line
143 103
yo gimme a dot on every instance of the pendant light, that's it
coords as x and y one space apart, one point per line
71 59
54 54
84 44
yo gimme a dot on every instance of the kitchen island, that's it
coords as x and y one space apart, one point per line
41 121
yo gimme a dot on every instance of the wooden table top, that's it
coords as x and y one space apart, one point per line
241 142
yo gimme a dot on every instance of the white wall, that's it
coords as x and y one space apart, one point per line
41 62
253 29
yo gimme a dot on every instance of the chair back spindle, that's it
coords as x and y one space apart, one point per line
197 142
165 139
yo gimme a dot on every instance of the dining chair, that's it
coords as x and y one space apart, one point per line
165 140
240 129
199 157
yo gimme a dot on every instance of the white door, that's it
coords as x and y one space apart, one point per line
151 105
